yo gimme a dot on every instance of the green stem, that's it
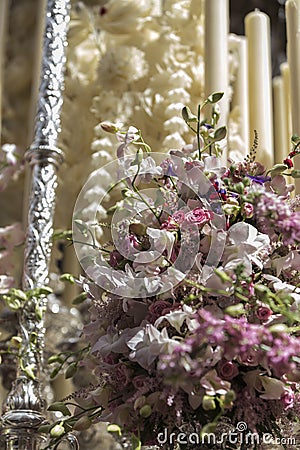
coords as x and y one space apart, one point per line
198 131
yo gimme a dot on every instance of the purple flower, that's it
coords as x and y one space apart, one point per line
260 179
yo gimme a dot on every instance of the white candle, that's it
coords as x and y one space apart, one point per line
280 131
240 99
257 27
216 54
292 10
285 73
3 29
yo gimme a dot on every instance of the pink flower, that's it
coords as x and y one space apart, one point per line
248 210
287 399
249 358
263 313
179 217
199 216
227 370
174 221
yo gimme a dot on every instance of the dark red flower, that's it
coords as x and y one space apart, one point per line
288 162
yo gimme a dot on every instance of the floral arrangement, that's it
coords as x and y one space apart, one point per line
193 294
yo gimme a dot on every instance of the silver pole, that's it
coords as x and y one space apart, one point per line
24 408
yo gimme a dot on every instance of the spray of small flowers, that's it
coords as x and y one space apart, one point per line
194 293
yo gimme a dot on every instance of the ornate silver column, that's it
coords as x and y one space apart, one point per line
25 406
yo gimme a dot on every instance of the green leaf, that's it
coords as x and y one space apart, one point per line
277 169
45 428
38 292
61 407
136 443
295 173
215 97
67 277
55 359
187 115
220 133
54 372
71 370
80 298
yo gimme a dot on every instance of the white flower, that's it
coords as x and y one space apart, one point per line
178 317
148 343
121 66
124 16
244 245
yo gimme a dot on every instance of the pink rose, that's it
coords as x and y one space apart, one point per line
249 358
263 313
287 399
199 216
227 370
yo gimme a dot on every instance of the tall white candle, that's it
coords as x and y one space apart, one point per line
3 29
216 53
292 10
240 99
280 131
285 73
257 27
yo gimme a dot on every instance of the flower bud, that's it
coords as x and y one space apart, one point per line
235 310
278 328
140 402
109 127
57 430
71 370
208 403
229 399
146 411
16 341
